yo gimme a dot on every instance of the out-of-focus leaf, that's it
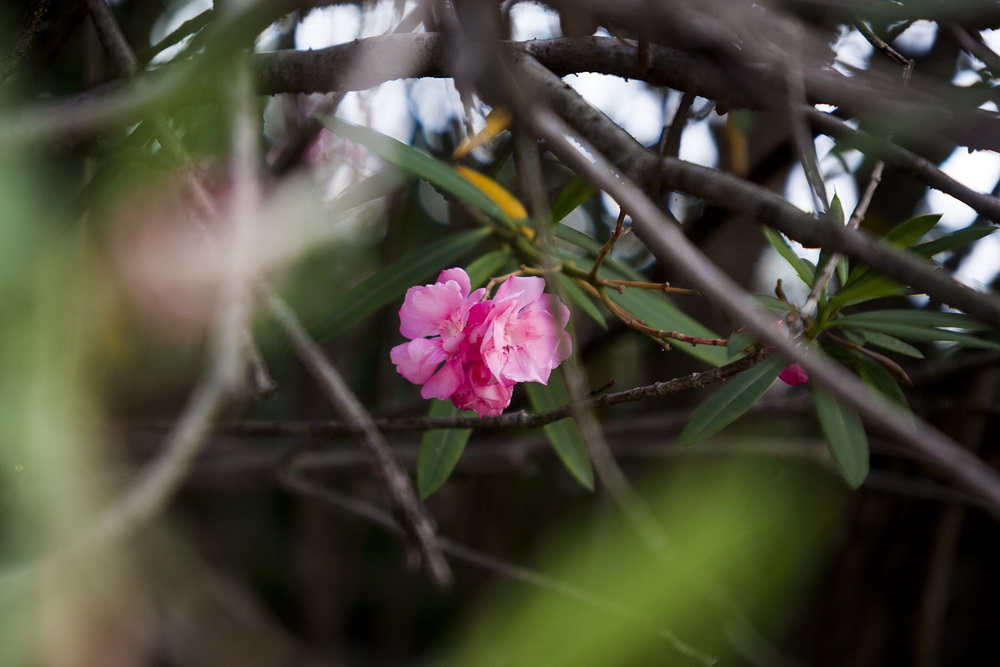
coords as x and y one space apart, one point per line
738 343
845 435
392 282
488 266
727 404
878 378
805 272
869 286
923 334
376 186
575 193
909 232
416 161
953 241
837 211
440 449
564 435
498 193
774 304
580 298
890 343
924 318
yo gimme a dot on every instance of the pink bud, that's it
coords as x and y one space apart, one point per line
794 375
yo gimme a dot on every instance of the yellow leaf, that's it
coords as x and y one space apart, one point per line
497 121
498 193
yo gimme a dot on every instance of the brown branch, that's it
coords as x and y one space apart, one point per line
387 465
25 35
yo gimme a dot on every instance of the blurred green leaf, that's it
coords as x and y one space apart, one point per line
954 240
391 283
378 185
733 399
925 318
924 334
581 299
890 343
564 435
573 195
434 171
440 449
802 268
909 232
845 435
488 266
879 379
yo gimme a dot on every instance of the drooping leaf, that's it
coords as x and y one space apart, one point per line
878 378
805 272
440 449
573 195
845 435
391 283
564 435
434 171
925 318
733 399
923 334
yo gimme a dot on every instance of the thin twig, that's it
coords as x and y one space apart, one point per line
25 35
113 38
387 465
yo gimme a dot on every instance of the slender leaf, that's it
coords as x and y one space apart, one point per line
580 298
730 402
440 449
887 342
490 265
802 268
878 378
435 171
954 240
376 186
392 282
845 436
564 435
928 334
573 195
926 318
909 232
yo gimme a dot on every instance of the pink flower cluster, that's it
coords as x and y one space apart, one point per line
472 350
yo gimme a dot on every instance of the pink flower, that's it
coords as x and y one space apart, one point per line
473 350
794 375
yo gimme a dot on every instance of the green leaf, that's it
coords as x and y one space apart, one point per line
658 312
909 232
837 210
845 436
440 449
573 195
735 397
923 334
868 287
738 343
488 266
925 318
774 304
806 273
434 171
376 186
580 298
564 435
878 378
391 283
890 343
953 241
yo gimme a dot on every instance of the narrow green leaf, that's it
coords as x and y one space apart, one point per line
774 304
490 265
658 312
440 449
391 283
954 240
573 195
802 268
870 286
909 232
878 378
727 404
564 435
887 342
580 298
925 318
923 334
376 186
738 343
837 210
434 171
845 436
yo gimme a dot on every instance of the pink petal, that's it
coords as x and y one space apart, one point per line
459 276
444 383
418 359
